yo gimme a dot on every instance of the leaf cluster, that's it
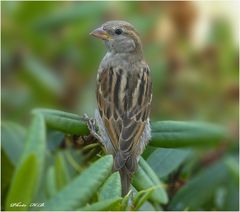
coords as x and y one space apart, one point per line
70 178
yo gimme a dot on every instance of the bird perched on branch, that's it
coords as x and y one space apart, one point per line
124 93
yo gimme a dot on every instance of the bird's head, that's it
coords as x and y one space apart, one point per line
119 37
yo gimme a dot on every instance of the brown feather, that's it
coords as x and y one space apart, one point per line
124 118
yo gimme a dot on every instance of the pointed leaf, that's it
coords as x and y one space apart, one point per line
111 188
142 181
83 187
30 165
22 190
36 141
154 178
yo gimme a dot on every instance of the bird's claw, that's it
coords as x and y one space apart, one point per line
92 126
85 117
91 123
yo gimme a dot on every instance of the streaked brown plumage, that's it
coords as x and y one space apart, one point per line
124 92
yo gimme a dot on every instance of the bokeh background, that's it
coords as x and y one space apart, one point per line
49 59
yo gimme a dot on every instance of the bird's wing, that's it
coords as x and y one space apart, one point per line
124 99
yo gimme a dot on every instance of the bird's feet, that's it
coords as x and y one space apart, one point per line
92 126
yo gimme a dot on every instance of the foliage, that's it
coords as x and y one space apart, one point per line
31 164
95 188
82 188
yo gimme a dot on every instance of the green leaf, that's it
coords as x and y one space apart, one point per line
30 165
231 202
141 197
7 170
82 188
42 76
200 188
59 113
61 172
164 161
51 187
23 184
70 15
181 134
147 206
143 180
36 141
12 140
125 201
103 205
111 188
233 167
63 121
54 140
154 178
148 151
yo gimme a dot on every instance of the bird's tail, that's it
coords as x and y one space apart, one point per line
126 167
125 180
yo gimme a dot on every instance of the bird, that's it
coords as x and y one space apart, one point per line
124 95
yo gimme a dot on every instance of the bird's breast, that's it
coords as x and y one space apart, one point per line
125 61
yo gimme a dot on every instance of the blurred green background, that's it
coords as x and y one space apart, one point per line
49 59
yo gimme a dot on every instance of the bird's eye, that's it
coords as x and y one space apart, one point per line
118 31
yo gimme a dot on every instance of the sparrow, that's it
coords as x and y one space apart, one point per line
124 94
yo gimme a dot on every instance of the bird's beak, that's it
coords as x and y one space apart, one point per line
100 33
